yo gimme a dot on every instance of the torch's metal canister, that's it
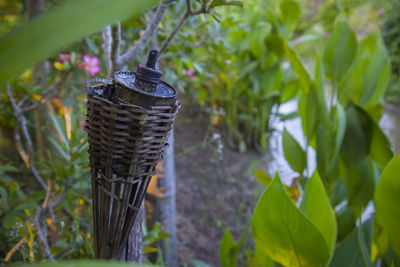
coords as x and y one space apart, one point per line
128 128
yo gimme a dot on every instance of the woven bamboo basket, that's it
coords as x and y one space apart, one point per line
125 143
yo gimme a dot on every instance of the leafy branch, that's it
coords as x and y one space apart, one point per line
26 152
112 35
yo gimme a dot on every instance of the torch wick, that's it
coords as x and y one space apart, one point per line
152 59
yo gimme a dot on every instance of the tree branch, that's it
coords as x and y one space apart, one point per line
28 151
107 44
146 36
42 96
189 12
40 222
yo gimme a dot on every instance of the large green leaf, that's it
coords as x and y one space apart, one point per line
340 51
355 141
363 246
284 233
58 28
376 76
320 89
379 145
348 253
298 68
340 128
358 178
293 152
324 151
309 111
315 205
387 199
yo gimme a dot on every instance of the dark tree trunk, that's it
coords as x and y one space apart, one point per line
160 205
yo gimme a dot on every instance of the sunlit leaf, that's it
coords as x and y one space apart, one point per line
227 251
60 129
150 250
315 205
387 199
285 234
262 177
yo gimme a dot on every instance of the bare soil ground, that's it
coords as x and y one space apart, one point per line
215 191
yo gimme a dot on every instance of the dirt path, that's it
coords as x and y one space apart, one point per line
215 190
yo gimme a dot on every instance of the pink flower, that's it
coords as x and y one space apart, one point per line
91 64
190 73
82 126
65 56
380 11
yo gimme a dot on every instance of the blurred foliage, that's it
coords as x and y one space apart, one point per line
85 264
239 65
391 36
355 166
238 82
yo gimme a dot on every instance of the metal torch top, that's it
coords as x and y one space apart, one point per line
145 81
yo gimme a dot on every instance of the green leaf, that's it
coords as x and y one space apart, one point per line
293 152
315 205
298 68
320 89
59 27
8 168
363 247
359 181
262 177
309 111
380 147
92 46
324 152
4 198
348 253
340 127
376 76
290 13
60 129
227 251
262 259
387 199
290 90
355 141
150 250
285 234
340 51
59 148
216 3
